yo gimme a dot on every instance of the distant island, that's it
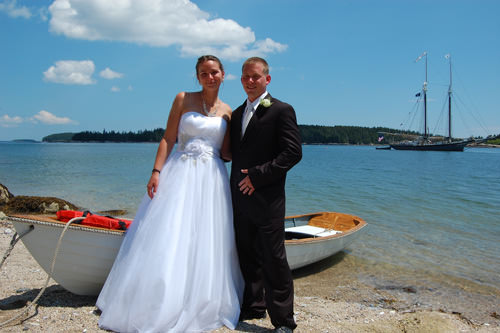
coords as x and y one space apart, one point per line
311 134
25 141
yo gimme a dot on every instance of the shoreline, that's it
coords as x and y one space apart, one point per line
478 145
339 294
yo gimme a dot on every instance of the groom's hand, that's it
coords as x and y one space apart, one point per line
246 184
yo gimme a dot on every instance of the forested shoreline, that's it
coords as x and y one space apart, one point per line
311 134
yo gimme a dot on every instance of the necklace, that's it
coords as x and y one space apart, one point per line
209 113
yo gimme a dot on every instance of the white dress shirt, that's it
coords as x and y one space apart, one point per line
249 111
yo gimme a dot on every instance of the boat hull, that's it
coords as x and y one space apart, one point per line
87 253
300 255
453 146
85 256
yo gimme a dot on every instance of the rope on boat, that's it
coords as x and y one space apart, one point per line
49 275
13 242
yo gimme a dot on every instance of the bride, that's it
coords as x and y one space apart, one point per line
177 269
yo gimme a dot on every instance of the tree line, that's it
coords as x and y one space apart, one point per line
311 134
108 136
353 135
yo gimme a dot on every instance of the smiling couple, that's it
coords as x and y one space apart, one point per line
203 250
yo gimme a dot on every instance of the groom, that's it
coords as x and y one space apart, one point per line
265 144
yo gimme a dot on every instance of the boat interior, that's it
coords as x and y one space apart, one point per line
318 225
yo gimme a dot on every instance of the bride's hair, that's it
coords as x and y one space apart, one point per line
208 57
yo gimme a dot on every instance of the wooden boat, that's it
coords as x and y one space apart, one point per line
86 254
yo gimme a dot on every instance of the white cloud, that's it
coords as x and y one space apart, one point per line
48 118
115 89
71 72
13 10
43 117
7 121
109 74
230 77
159 23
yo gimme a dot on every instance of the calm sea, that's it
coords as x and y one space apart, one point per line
437 212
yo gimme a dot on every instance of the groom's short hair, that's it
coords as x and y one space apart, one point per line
254 60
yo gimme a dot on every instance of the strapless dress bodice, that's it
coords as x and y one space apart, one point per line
200 136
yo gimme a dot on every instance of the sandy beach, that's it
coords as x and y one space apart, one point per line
323 303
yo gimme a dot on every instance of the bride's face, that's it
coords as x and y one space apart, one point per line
210 75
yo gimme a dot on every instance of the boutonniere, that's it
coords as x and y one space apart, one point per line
265 102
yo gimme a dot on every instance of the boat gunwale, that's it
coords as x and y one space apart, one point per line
48 221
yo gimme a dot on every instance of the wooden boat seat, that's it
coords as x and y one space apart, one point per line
341 222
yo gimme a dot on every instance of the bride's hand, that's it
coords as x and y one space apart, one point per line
153 184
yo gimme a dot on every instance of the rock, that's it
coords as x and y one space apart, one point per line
2 216
113 212
53 207
36 205
5 194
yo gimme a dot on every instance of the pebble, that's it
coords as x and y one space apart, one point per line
7 231
22 290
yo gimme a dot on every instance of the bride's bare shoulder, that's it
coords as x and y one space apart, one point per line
191 100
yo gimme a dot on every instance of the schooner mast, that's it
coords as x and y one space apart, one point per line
425 94
448 56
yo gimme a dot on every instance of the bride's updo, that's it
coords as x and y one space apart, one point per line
208 57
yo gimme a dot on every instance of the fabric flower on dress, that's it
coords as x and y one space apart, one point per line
197 148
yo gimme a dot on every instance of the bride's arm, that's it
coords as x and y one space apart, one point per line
166 143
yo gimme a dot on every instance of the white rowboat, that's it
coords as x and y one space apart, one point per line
86 254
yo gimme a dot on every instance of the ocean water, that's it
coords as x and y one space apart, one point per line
430 212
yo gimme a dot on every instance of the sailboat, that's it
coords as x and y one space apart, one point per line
424 142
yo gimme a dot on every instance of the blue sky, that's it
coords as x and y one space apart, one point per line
75 65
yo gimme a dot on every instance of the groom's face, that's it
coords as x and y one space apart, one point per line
254 80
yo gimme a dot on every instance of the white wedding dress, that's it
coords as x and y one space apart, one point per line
177 269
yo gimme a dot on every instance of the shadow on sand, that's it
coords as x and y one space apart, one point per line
54 296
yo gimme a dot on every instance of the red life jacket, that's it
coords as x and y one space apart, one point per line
94 220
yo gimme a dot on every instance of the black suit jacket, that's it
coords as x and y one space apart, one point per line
270 147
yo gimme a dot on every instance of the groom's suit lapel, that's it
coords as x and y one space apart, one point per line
253 125
237 119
